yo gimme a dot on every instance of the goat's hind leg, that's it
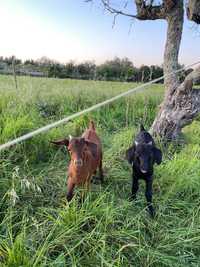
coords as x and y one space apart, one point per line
148 194
93 178
101 175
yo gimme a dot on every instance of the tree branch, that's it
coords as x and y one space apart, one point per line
149 12
116 12
144 11
187 85
193 10
187 99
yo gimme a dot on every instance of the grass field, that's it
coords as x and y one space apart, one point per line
38 228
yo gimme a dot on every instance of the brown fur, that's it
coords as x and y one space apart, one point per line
86 158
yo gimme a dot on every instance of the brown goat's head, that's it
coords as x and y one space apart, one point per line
77 148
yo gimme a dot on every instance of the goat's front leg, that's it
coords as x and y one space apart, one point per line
135 186
70 189
148 195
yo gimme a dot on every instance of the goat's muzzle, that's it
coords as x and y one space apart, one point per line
78 162
143 171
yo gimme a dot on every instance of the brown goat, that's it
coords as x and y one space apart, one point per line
86 158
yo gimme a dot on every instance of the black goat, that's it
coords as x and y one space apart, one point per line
142 155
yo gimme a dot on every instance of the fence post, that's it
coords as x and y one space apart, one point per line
14 72
151 73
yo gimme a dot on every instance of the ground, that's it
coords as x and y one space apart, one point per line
38 228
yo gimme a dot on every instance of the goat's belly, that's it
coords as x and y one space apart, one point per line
83 174
141 175
81 179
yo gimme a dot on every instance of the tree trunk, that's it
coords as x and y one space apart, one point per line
181 104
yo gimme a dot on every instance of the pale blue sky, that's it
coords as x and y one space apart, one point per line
74 30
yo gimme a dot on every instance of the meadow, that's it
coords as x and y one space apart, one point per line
38 228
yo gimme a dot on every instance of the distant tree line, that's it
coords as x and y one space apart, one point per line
111 70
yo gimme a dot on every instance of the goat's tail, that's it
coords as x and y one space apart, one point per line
142 127
92 126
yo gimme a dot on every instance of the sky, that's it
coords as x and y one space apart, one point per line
66 30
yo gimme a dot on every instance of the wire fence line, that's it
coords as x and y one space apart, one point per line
96 106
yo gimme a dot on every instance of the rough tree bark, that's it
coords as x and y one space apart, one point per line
179 108
193 10
181 102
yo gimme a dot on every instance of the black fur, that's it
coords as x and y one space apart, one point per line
142 155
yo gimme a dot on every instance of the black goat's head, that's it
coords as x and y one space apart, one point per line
143 154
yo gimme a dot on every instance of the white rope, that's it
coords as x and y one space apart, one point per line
57 123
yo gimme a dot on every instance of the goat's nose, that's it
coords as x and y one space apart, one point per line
78 162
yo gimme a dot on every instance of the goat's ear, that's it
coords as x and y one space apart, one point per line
157 155
93 147
130 154
63 142
142 127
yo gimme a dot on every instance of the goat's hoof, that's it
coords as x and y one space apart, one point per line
102 181
69 198
95 180
152 212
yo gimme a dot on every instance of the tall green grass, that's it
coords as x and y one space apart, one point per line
37 226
